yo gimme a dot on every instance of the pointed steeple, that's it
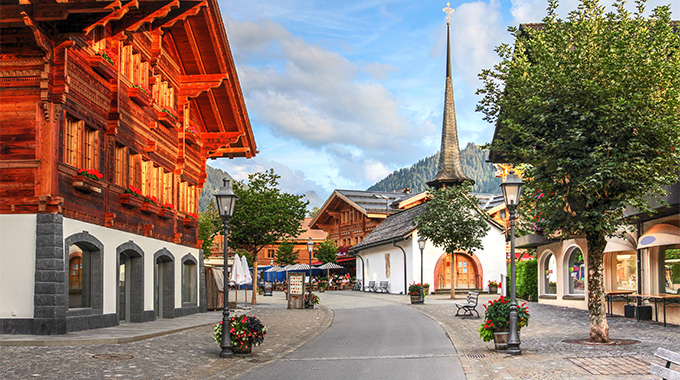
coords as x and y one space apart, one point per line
450 171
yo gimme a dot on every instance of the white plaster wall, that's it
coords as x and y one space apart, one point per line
111 239
375 270
559 250
492 256
17 265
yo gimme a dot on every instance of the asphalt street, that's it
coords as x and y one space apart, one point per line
370 339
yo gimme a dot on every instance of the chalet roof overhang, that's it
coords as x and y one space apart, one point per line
208 81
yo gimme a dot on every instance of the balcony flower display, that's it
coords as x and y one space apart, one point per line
91 173
88 181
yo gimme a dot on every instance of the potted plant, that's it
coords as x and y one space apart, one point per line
496 323
322 285
493 286
426 289
414 292
315 300
245 331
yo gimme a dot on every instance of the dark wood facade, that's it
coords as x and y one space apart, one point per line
143 92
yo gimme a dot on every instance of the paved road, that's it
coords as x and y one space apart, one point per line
370 339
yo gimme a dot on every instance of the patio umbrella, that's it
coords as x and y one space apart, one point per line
248 279
329 266
236 277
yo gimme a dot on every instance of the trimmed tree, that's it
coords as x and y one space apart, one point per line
263 214
327 252
453 221
209 225
285 254
592 105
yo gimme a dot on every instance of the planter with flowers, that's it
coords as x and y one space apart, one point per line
315 300
552 287
166 211
496 323
150 205
493 286
426 289
190 220
132 197
88 180
168 118
139 95
414 292
245 333
103 64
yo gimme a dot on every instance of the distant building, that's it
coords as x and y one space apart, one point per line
108 112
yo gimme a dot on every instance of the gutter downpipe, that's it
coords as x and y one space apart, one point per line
394 243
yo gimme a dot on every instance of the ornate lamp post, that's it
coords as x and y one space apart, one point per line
512 189
226 200
421 245
310 249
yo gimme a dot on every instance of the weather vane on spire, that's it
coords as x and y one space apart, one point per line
448 11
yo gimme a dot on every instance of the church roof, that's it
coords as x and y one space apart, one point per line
450 169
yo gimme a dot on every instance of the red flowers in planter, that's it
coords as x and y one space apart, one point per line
91 173
192 215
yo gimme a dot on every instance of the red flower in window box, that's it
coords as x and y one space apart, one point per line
91 173
166 212
139 95
191 220
86 184
168 118
131 200
104 64
150 205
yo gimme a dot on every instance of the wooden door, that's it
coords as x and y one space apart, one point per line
465 272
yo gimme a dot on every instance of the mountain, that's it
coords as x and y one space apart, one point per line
213 182
416 176
313 199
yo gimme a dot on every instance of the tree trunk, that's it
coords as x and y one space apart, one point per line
599 328
255 289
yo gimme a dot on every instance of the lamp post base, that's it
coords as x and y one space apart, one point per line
226 353
513 350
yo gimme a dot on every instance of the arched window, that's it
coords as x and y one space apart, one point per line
576 269
79 277
550 274
189 283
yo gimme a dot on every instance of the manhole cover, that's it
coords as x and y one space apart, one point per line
612 342
113 356
623 365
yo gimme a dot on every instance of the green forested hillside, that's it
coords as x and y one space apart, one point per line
213 182
416 176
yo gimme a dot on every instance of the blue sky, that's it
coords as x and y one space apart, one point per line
340 94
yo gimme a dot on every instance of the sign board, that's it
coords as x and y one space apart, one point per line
268 288
296 289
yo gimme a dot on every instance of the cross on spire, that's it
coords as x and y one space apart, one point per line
448 10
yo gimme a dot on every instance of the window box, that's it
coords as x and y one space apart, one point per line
87 184
165 213
102 67
140 97
150 207
167 119
189 222
131 200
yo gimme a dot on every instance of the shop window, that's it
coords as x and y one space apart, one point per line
550 274
189 281
576 269
626 271
669 262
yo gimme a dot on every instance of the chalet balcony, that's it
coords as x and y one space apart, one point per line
167 118
150 207
139 96
103 66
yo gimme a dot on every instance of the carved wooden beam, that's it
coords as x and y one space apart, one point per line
230 152
191 86
114 16
174 17
54 12
41 40
149 18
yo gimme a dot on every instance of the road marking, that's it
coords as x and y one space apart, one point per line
425 356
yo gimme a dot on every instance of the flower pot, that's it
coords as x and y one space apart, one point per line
415 299
87 184
242 351
321 290
426 290
500 340
493 289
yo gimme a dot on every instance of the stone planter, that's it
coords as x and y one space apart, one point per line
131 200
87 184
493 289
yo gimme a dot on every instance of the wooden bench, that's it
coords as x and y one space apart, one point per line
469 306
666 372
382 287
371 286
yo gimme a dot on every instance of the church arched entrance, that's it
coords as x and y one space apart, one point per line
467 271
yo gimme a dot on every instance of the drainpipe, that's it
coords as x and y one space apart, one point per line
639 265
394 242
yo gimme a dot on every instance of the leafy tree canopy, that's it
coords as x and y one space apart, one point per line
209 225
327 252
264 214
452 220
592 105
285 254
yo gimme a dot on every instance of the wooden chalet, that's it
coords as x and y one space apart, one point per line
108 112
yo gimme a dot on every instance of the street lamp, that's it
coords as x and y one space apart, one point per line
310 249
226 200
512 189
421 245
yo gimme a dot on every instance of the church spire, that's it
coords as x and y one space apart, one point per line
450 170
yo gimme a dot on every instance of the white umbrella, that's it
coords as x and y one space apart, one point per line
248 279
273 269
236 276
330 266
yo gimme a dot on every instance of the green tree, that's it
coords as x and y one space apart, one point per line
285 254
312 213
264 214
453 221
327 252
209 225
591 104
